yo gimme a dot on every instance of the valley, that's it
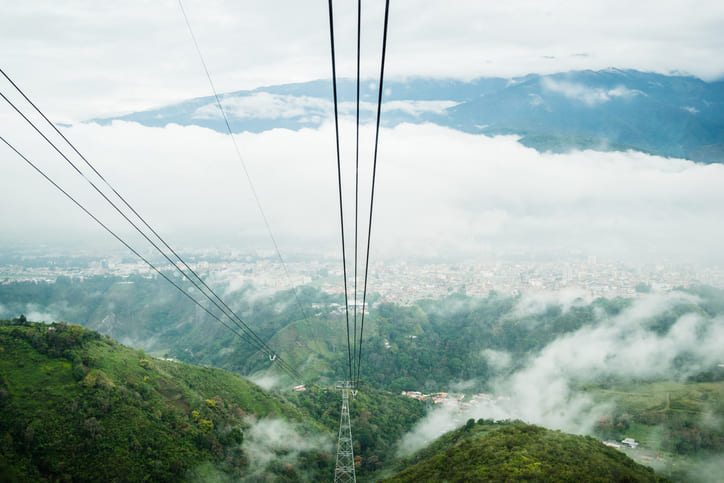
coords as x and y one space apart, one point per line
447 361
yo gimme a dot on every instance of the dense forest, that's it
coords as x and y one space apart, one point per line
486 451
79 406
423 347
646 367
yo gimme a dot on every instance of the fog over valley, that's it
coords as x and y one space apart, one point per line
230 250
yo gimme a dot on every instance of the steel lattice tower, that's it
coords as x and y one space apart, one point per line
344 469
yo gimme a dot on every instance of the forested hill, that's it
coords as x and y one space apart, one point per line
78 406
422 347
486 451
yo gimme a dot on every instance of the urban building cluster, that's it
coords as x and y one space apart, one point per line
459 401
401 283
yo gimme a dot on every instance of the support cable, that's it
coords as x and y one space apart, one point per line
234 318
134 251
356 183
339 179
241 160
374 173
166 245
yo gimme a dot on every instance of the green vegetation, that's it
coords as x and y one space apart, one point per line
682 419
485 451
380 420
78 406
676 415
420 347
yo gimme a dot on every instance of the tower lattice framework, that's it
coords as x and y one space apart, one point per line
344 469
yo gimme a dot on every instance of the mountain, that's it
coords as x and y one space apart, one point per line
486 451
667 391
79 406
613 109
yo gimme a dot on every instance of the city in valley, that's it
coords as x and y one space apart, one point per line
397 282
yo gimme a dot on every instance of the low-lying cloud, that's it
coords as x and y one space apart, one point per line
622 347
268 106
264 105
274 440
535 303
440 193
591 96
497 360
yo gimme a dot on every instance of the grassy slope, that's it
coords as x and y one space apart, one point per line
82 407
489 452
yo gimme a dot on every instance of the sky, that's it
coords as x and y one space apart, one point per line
441 193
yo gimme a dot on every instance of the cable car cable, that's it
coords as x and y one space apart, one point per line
134 251
241 160
197 277
356 182
240 322
374 174
339 182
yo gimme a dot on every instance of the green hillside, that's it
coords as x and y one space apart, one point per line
485 451
379 421
79 406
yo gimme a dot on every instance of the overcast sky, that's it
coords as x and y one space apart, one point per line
441 191
96 57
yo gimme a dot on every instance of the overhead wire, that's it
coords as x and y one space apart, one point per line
339 183
133 210
356 180
356 359
353 366
241 159
356 352
374 175
127 245
223 307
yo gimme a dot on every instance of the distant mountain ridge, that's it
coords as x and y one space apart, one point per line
670 115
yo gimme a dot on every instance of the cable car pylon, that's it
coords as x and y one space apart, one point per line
344 467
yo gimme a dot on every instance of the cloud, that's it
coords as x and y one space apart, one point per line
707 469
619 348
417 108
534 303
263 105
32 312
497 360
274 440
432 426
590 96
37 316
267 381
440 194
154 62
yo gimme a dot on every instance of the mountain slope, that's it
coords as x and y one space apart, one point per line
487 452
613 109
79 406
